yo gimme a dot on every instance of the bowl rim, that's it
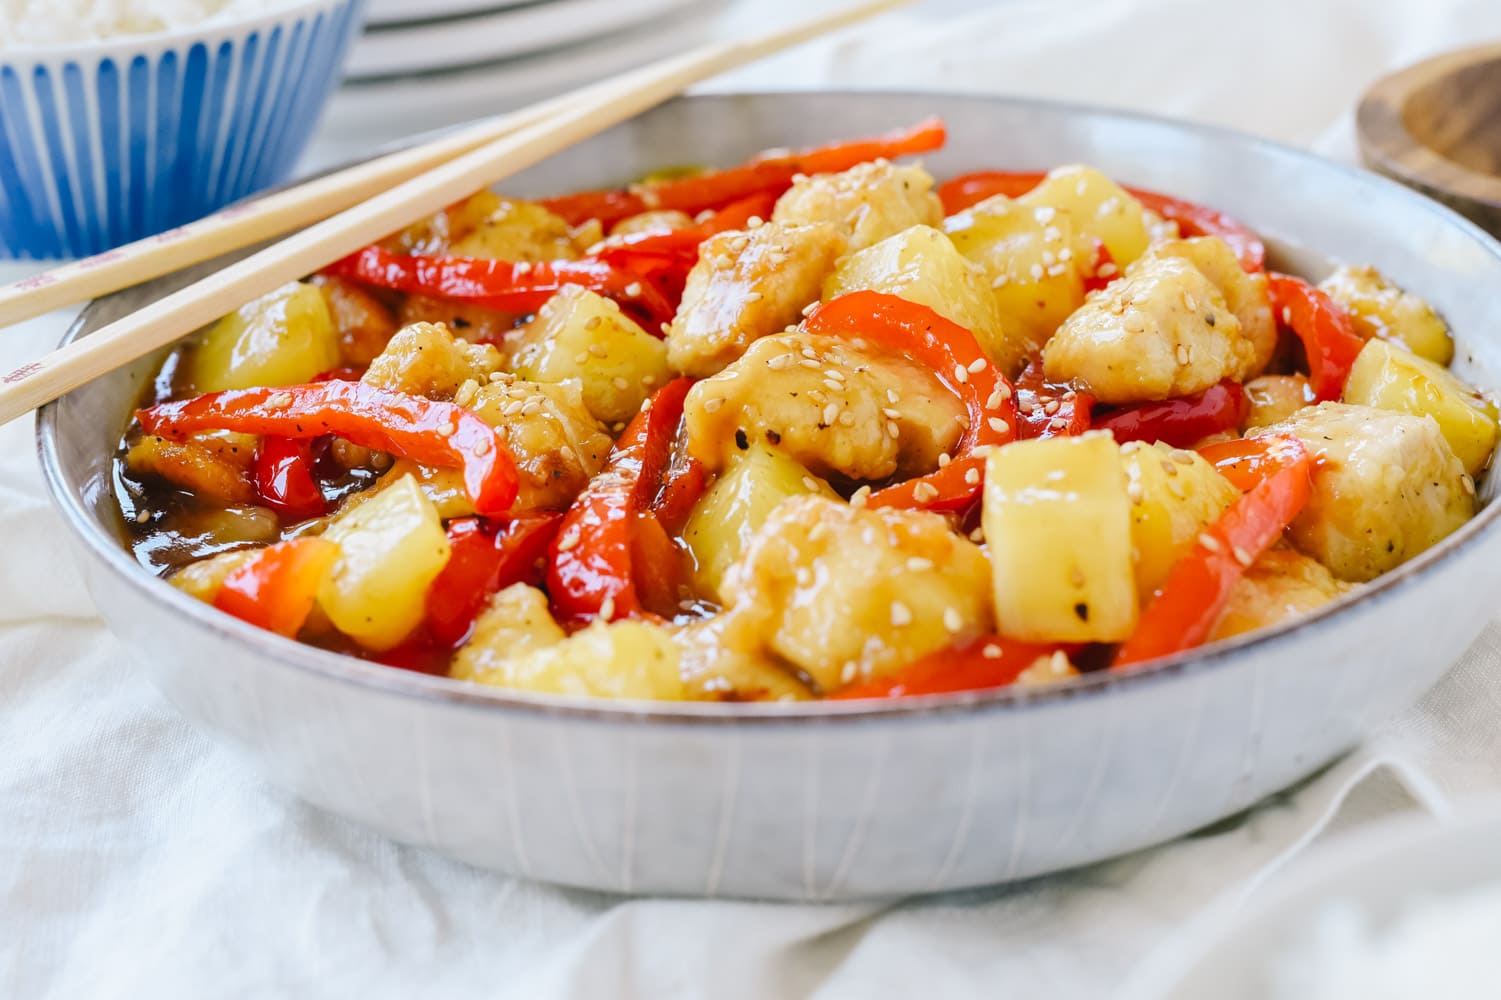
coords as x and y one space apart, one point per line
130 46
392 681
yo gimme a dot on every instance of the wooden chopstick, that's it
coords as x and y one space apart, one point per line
250 222
184 311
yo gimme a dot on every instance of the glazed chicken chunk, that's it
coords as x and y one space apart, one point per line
1245 294
868 203
837 409
1386 486
425 359
846 593
1162 330
1282 584
745 286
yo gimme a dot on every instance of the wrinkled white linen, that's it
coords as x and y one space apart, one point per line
138 859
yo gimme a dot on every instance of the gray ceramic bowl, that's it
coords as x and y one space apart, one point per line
839 801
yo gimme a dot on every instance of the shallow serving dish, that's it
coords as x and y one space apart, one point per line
822 801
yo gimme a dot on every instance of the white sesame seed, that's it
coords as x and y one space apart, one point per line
1000 281
811 483
1035 271
713 403
279 400
633 289
860 496
581 358
847 672
780 362
831 413
892 397
952 619
482 446
142 516
991 651
1106 270
809 363
923 492
568 539
1241 555
810 354
753 297
917 564
1066 254
593 322
835 374
900 614
977 366
1056 270
977 536
972 476
1209 542
944 460
961 374
607 608
598 350
1181 354
808 309
892 429
1050 407
998 425
1044 213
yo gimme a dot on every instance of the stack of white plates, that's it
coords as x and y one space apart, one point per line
423 64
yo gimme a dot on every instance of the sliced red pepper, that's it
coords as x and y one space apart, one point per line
1193 219
772 171
1190 603
1328 336
426 431
988 662
508 286
1102 270
679 247
1047 409
1179 422
484 557
284 479
594 567
955 357
277 588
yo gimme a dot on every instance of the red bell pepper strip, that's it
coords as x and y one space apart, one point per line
277 588
284 480
1193 219
988 662
484 558
1179 422
960 365
593 567
1190 603
1102 270
426 431
772 171
509 286
1329 338
1046 409
679 247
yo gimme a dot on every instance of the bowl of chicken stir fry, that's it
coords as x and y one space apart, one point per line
995 490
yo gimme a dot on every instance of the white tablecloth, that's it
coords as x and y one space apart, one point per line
137 859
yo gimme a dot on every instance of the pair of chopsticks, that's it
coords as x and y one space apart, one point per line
426 179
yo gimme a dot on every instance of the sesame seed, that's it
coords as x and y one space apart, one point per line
142 516
1035 271
1066 254
593 322
1190 303
1044 213
1182 457
980 450
900 614
531 408
804 576
1468 484
599 350
808 309
977 366
892 429
633 289
1182 354
835 374
917 564
846 419
666 328
972 476
892 397
522 267
780 362
499 376
944 460
1051 234
1287 316
1048 258
811 483
1241 555
952 619
847 672
977 536
568 539
1170 467
991 651
713 403
279 400
860 496
809 363
581 358
1050 407
961 374
482 446
923 492
1057 423
607 608
831 413
754 297
1209 542
810 354
1056 270
1133 490
998 425
1106 270
891 414
648 380
1000 281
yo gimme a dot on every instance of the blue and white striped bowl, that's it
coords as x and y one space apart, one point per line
106 142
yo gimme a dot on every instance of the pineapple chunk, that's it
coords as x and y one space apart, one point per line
203 578
391 547
922 265
581 334
1276 397
1389 378
738 503
1057 523
438 233
1028 258
1100 209
282 338
625 659
520 231
1379 308
1174 494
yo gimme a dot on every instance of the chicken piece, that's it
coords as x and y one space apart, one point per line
845 593
714 672
364 322
660 221
1162 330
425 359
745 286
519 231
837 409
868 202
1282 584
202 579
1379 308
213 466
469 322
514 622
1245 294
516 644
1386 486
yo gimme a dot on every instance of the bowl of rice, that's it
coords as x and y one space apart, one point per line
124 118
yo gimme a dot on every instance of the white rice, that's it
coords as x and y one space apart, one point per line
1444 947
29 23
